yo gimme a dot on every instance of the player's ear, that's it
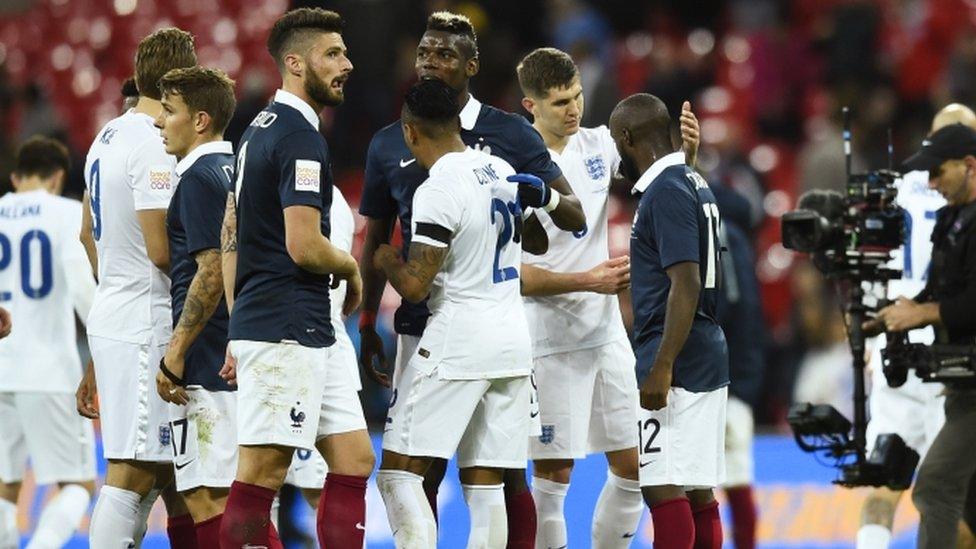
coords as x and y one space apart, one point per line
15 180
201 121
472 66
57 182
528 104
294 64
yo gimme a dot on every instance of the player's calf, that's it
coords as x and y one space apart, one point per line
550 484
877 517
400 482
620 506
341 513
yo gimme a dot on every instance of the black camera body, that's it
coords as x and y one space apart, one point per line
949 364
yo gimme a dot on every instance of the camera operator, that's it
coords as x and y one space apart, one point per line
947 304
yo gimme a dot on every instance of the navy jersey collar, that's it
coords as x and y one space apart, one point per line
213 147
469 113
295 102
661 164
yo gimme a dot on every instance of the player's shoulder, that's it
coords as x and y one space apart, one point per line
495 118
388 140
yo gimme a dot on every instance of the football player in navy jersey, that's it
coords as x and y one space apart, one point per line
281 334
448 51
197 106
682 358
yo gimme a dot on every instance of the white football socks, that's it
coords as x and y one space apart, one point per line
873 536
60 518
489 523
407 509
142 519
9 535
113 522
617 514
549 497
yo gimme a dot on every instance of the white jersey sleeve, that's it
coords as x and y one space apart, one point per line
434 205
343 228
151 176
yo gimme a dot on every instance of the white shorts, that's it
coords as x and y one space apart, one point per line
46 427
291 395
588 402
683 444
739 431
307 470
913 411
205 439
135 421
406 347
485 421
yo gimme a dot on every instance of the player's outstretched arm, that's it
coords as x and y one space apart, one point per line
87 240
414 278
610 277
678 316
202 299
555 198
378 232
690 134
153 225
228 250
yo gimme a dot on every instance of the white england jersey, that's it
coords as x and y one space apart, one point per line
343 226
579 320
128 170
478 328
45 277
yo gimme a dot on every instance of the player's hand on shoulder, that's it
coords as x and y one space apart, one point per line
87 393
229 371
532 191
370 353
654 389
5 323
690 134
167 388
610 277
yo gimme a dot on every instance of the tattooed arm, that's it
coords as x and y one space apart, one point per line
228 250
412 279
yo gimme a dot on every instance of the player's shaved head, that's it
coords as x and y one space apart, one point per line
954 113
458 25
431 106
645 118
159 53
294 32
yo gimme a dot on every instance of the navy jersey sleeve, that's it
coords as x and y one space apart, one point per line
302 161
531 155
202 202
674 213
377 200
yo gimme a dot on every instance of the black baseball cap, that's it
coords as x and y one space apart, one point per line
952 142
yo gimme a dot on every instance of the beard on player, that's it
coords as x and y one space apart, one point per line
330 94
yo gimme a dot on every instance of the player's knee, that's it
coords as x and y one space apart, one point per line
264 466
138 477
879 508
435 474
623 463
556 470
88 485
515 482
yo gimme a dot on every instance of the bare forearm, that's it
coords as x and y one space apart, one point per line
374 279
405 279
202 300
568 214
228 250
678 318
538 282
321 257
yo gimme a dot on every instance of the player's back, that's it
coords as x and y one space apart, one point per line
43 268
127 169
478 327
920 204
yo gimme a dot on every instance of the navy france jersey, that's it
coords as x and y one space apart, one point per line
193 222
393 175
282 161
677 220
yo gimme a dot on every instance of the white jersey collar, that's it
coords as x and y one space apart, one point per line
297 103
213 147
659 165
469 113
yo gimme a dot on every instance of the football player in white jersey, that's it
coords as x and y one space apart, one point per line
44 279
584 364
467 388
129 181
914 411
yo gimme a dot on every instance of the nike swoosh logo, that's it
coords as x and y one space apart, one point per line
645 463
180 467
249 546
405 163
560 547
359 526
533 414
625 536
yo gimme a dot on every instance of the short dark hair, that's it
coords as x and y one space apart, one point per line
203 89
544 69
160 52
457 24
129 88
41 156
295 26
432 106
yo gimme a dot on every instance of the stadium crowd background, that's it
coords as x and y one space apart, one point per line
766 78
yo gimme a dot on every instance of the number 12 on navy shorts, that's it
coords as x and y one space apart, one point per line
683 444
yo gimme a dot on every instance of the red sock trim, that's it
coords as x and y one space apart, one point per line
209 521
180 521
346 480
666 502
705 508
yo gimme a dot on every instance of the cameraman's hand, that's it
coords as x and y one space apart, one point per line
873 327
906 314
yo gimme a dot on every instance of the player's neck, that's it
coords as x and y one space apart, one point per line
553 142
148 106
437 149
296 88
32 184
202 140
